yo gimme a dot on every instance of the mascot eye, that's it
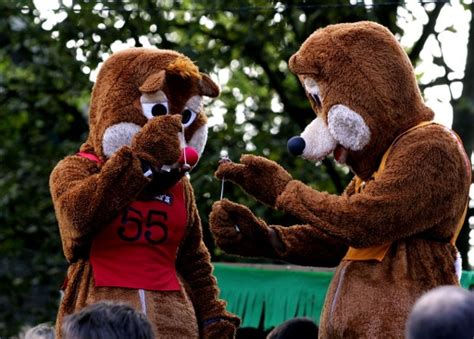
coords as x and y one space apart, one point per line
151 109
313 90
159 109
316 99
188 117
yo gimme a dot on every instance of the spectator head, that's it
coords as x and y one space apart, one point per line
443 313
41 331
107 320
301 328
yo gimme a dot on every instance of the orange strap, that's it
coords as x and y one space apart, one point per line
378 252
369 253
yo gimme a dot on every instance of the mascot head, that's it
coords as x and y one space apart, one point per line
158 93
362 87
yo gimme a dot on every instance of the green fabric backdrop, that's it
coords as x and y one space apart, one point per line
275 293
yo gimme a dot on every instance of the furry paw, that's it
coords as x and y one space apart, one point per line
157 142
262 178
238 231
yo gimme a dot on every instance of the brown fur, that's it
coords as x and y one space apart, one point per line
362 66
414 204
87 196
184 68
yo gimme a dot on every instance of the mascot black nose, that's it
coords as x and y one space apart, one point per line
296 145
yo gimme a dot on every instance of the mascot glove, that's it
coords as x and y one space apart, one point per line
264 179
238 231
158 141
222 329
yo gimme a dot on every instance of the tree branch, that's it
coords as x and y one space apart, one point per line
468 90
439 81
427 30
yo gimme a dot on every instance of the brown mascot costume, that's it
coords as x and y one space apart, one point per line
392 232
128 220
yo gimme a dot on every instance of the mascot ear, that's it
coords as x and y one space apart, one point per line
208 87
153 83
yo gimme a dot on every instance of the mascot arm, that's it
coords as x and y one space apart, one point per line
308 246
419 179
238 231
86 196
194 265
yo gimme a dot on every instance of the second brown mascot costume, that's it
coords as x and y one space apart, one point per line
129 224
392 232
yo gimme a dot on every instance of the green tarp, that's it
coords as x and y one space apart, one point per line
275 293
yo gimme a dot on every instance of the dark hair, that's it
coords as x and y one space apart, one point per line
107 320
443 313
301 328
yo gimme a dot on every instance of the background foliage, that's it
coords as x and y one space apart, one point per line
45 87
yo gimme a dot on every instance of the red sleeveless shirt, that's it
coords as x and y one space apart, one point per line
138 248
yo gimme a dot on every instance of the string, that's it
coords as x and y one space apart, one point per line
184 148
224 158
186 166
222 188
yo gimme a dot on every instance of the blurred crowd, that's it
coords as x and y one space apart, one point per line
445 312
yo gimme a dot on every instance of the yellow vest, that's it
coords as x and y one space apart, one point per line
378 252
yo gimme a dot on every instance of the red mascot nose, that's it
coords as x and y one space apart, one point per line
189 156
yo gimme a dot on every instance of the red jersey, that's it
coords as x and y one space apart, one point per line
138 248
